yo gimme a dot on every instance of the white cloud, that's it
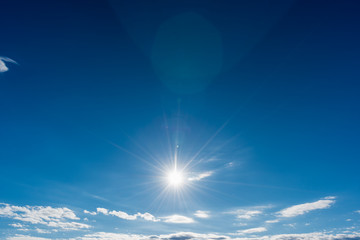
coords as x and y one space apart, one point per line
3 67
123 215
178 219
301 209
249 212
204 236
202 214
358 211
253 230
68 225
102 210
246 213
42 230
174 236
91 213
148 217
272 221
23 237
17 225
200 176
52 217
307 236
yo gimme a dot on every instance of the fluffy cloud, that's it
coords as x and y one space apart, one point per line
200 176
301 209
178 219
202 214
199 236
3 67
123 215
175 236
91 213
53 217
147 216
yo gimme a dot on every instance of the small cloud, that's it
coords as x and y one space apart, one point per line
292 225
148 217
272 221
240 224
103 211
246 213
252 230
229 165
124 215
301 209
178 219
17 225
249 212
358 211
201 176
91 213
3 67
202 214
42 230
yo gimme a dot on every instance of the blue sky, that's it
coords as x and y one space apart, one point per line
179 120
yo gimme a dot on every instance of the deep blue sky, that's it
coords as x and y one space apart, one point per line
102 86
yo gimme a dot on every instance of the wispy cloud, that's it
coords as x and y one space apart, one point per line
3 67
123 215
178 219
272 221
249 212
202 214
62 218
23 237
16 225
200 176
252 230
301 209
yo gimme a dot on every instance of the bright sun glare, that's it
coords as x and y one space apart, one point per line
175 178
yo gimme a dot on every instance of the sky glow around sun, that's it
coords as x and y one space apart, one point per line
175 178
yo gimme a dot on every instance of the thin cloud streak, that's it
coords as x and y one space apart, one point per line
3 67
201 176
301 209
178 219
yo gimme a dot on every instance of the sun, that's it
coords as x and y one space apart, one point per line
175 178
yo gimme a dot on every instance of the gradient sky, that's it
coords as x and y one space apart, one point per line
257 103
